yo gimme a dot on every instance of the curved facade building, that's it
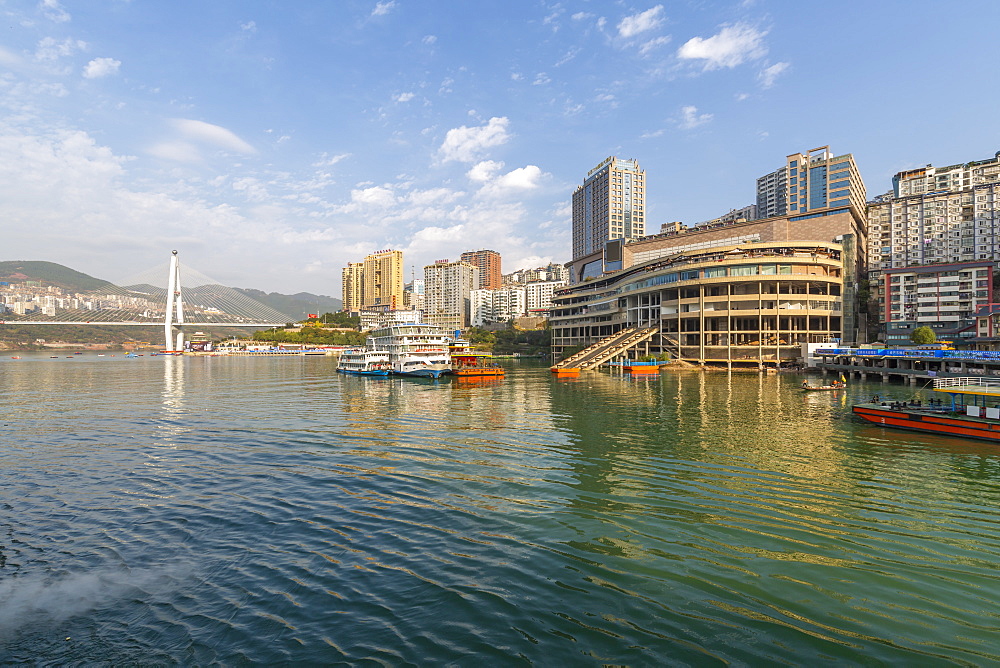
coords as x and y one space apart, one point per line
738 305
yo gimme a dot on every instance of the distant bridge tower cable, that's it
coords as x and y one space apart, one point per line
174 317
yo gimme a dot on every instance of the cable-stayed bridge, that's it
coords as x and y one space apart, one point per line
158 296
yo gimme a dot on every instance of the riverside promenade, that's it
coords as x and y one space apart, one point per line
907 365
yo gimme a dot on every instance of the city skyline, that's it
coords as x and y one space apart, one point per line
272 146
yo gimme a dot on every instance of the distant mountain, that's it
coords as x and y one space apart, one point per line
49 273
299 305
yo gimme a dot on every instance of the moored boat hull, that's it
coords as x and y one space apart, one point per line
946 425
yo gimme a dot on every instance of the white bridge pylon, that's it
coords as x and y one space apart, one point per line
174 321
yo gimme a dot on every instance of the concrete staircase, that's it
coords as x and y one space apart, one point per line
605 349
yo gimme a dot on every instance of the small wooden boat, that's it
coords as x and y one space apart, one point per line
822 388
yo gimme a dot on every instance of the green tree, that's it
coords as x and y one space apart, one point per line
923 336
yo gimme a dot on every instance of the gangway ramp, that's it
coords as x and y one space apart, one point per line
605 349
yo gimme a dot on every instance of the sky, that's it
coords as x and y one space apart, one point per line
272 143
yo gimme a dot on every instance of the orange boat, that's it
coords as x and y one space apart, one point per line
568 371
466 362
972 411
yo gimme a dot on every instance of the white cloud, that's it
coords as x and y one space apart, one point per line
383 8
731 46
579 16
522 178
101 67
327 160
213 135
249 26
653 44
379 196
53 11
192 136
630 26
570 55
484 171
769 74
403 97
177 151
464 144
690 118
742 96
49 49
429 39
541 79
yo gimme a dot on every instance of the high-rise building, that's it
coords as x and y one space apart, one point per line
488 262
538 295
448 290
938 216
944 297
809 181
550 272
772 194
376 281
611 204
953 177
352 285
497 306
413 294
383 279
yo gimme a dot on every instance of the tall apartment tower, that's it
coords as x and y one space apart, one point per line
383 279
448 290
936 215
488 262
772 194
352 285
611 204
809 181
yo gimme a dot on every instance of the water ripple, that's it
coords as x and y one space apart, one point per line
260 510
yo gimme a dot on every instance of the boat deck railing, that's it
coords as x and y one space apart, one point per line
973 383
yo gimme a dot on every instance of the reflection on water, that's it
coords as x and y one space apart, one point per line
214 510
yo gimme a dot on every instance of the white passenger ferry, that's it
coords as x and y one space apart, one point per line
414 349
364 362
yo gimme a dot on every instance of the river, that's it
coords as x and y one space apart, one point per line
268 510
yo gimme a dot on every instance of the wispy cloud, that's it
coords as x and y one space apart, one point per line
630 26
327 160
101 67
768 75
731 46
383 8
464 144
191 136
52 10
50 49
404 97
646 47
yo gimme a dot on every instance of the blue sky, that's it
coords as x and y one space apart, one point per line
271 143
